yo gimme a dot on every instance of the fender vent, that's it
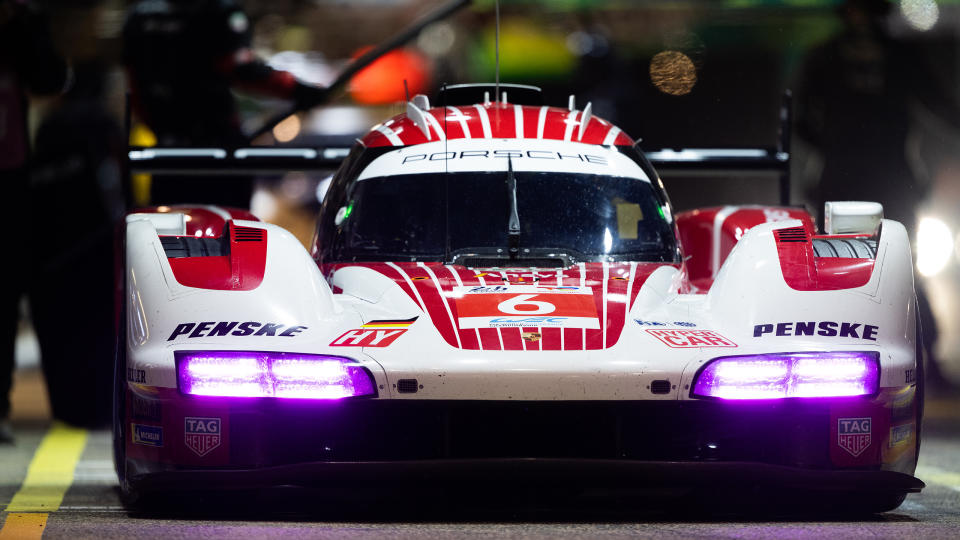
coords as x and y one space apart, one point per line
248 234
407 386
660 386
792 234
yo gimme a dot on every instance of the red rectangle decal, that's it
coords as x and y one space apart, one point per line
526 306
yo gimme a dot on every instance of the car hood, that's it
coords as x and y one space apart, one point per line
583 307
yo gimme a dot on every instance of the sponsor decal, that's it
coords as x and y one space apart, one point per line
233 328
818 328
202 435
145 409
687 339
403 323
505 306
147 435
775 214
659 323
853 434
137 375
902 407
531 337
900 434
504 154
367 337
910 376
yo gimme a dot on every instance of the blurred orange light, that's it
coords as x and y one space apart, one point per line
672 72
287 130
382 82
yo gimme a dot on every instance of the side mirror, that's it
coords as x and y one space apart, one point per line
167 223
851 217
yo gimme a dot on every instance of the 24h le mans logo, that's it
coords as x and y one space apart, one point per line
201 435
853 434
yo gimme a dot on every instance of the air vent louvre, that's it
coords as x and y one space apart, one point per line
248 234
793 234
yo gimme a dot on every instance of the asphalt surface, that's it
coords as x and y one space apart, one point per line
91 507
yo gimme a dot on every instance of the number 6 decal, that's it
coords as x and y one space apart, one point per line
512 306
520 306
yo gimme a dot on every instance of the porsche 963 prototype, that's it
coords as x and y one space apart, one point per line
501 288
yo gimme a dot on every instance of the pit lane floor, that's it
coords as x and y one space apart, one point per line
56 482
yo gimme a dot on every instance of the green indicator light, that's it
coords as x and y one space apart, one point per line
349 210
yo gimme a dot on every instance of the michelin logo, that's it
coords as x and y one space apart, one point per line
147 435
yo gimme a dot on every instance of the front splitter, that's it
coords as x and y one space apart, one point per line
543 472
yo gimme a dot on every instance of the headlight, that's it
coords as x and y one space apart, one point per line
934 246
271 374
775 376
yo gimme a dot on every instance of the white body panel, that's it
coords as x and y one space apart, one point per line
749 291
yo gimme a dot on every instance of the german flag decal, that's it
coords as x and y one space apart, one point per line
399 323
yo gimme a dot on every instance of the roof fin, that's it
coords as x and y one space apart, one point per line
486 98
503 97
419 118
421 101
585 119
573 102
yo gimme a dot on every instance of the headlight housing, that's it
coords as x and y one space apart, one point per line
271 374
787 375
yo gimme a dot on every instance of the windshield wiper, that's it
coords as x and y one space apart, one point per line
513 225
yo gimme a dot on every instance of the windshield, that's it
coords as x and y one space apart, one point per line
437 216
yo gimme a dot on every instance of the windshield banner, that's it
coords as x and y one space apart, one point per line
486 155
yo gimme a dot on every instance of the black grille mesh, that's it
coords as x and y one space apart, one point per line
407 386
792 234
248 234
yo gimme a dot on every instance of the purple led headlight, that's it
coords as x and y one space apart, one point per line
774 376
271 374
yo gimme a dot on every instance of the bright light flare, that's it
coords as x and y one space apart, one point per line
934 246
920 14
776 376
271 374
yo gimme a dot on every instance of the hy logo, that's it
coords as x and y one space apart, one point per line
853 434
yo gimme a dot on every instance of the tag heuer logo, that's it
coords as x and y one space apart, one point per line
201 435
532 337
853 434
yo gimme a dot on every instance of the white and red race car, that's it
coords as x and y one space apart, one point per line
499 290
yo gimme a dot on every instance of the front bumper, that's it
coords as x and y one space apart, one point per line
259 442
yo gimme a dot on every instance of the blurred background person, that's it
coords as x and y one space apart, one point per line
183 57
855 99
75 174
29 64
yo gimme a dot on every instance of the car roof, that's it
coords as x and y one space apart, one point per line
493 120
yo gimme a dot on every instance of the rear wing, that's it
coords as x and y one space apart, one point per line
252 161
725 162
266 160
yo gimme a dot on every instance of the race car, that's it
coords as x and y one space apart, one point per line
499 289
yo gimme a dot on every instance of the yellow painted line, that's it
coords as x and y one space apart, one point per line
51 470
23 526
936 475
